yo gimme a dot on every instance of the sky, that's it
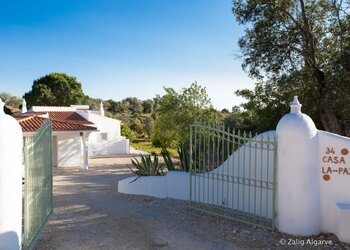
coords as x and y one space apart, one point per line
122 48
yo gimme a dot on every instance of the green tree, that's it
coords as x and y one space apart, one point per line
126 131
148 106
94 103
135 105
243 120
12 103
56 89
137 126
148 125
298 47
5 96
177 111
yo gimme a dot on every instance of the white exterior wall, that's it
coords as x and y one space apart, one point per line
113 146
316 199
107 141
174 184
178 185
296 180
155 186
11 148
69 150
334 161
104 124
313 178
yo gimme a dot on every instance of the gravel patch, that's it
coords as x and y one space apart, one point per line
89 213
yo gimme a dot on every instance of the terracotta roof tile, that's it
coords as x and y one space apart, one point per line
31 123
67 116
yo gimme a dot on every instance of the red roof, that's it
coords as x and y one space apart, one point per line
66 116
31 123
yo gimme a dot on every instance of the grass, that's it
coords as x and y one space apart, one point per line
146 145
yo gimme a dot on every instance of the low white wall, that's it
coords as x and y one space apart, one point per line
155 186
69 150
173 185
178 184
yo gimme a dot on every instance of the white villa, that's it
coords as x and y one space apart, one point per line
77 133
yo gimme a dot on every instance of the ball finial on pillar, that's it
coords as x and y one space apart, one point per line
295 106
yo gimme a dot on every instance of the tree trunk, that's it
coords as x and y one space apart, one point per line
329 120
347 129
328 117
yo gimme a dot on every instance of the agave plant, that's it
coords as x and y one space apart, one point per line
167 160
146 167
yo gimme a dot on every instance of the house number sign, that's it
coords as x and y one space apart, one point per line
337 162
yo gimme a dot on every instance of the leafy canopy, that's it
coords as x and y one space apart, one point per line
55 89
297 48
177 111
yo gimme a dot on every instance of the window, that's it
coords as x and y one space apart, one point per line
103 136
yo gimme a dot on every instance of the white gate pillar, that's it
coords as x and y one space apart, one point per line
11 146
298 196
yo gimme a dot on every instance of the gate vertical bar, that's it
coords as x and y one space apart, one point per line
191 163
274 214
261 176
244 168
249 173
227 167
267 175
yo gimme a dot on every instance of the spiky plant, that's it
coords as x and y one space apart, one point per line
146 167
184 158
167 160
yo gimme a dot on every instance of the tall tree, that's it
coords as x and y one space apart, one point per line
56 89
288 39
177 111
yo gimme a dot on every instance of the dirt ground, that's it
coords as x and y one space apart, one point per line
89 213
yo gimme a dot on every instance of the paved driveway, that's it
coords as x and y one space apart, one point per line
89 213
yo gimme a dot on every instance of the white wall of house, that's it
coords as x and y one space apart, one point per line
104 124
107 141
69 150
